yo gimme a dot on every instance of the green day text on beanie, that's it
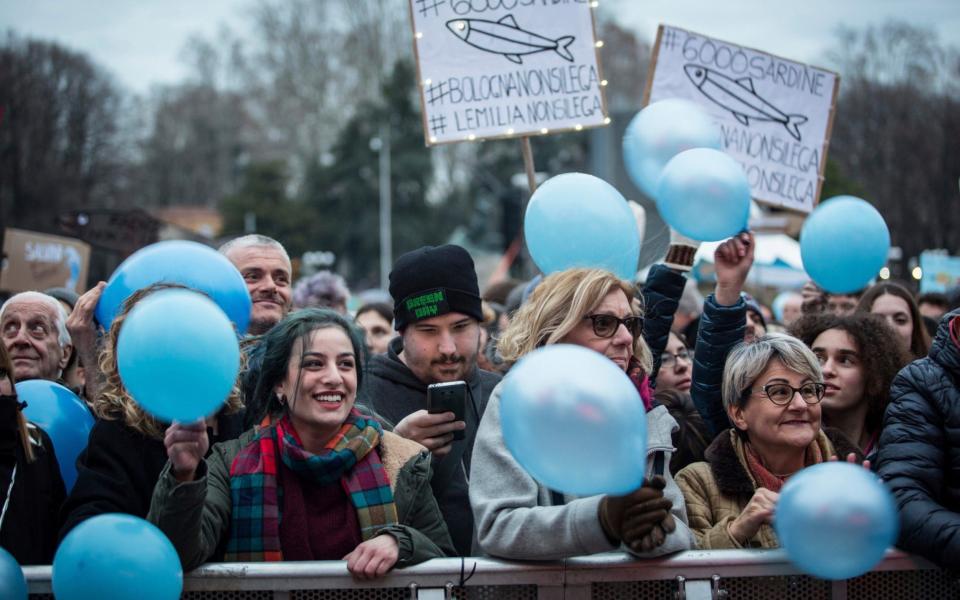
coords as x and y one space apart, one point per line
433 281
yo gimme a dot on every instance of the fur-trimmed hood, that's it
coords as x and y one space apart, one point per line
731 473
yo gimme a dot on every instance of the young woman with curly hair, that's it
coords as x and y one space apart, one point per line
859 355
125 452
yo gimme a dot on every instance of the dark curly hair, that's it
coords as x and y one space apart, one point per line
920 340
881 354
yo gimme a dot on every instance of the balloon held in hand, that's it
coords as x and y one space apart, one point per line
575 422
704 194
178 355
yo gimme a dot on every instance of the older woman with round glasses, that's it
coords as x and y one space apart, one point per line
518 517
771 392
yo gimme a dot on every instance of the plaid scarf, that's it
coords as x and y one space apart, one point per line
256 498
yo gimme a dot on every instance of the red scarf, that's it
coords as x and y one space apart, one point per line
770 480
641 381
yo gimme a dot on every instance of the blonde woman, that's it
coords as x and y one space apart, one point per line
125 451
517 517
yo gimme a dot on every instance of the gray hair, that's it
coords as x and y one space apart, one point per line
60 313
252 240
746 362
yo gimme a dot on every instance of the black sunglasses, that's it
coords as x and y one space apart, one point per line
606 325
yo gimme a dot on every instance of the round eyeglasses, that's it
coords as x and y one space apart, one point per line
781 393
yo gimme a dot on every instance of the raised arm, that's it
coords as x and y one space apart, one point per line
722 326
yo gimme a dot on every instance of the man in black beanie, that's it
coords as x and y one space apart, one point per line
437 310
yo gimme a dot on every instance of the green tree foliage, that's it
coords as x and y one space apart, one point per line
343 189
263 197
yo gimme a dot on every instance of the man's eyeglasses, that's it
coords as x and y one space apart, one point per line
781 393
606 325
668 360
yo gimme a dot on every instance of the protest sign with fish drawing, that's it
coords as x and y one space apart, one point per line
775 115
490 69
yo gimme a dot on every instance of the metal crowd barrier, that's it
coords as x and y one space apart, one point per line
694 575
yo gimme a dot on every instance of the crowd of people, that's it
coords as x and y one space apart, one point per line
327 448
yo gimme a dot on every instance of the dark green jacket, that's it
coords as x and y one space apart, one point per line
196 515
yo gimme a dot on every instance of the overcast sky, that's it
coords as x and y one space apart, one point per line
140 41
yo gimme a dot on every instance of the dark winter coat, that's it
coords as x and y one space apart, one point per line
717 491
29 527
196 515
394 392
721 328
119 468
661 295
919 454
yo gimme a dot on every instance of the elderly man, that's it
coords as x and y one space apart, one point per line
437 310
35 335
266 269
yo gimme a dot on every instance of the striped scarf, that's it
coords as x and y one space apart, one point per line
350 457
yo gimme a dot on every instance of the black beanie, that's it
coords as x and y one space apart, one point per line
432 281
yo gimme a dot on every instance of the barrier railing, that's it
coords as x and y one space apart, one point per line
694 575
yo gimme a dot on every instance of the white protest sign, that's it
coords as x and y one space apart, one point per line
775 115
506 68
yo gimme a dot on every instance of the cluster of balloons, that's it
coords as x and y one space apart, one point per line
573 420
178 352
671 150
116 556
835 520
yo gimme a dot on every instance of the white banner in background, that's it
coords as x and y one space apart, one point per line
506 68
775 115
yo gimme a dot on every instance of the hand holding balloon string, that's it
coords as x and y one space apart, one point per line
186 446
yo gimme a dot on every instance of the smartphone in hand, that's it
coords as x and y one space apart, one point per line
448 397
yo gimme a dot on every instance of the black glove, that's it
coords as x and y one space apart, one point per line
633 516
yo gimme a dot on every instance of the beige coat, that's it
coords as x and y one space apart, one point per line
717 491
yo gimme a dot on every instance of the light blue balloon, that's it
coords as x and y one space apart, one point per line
116 556
178 355
574 420
704 194
13 585
661 131
844 244
835 520
578 220
178 261
65 418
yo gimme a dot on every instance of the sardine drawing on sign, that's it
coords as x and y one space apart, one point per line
506 38
739 97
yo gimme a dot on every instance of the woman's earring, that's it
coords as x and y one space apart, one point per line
282 399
